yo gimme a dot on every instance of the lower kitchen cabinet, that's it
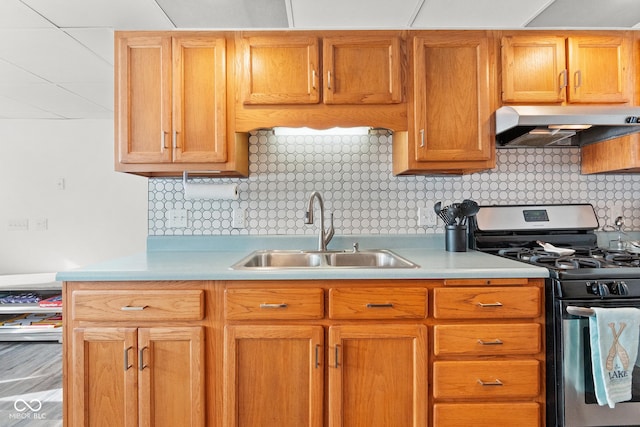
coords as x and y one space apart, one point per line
377 375
296 353
160 380
130 356
274 376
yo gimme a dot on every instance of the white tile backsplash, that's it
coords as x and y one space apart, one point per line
354 176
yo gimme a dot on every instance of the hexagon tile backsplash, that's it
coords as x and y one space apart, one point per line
354 176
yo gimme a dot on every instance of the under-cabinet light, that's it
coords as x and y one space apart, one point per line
304 131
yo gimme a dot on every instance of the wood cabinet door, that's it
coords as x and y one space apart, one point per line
273 376
452 99
377 376
143 99
199 99
172 381
104 378
362 70
281 70
599 69
533 69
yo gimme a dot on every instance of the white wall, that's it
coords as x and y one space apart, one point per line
100 214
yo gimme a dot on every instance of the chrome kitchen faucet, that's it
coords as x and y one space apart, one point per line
324 237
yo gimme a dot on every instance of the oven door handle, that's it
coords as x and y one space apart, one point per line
580 311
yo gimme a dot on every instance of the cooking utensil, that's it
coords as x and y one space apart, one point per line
555 250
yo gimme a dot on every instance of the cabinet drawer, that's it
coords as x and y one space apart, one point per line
137 305
525 414
486 379
517 338
290 303
487 303
378 303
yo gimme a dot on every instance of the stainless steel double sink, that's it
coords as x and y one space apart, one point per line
286 259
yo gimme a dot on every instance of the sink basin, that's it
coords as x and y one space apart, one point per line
280 259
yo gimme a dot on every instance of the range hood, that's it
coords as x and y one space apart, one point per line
570 126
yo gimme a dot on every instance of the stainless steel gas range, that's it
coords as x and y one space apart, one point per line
562 239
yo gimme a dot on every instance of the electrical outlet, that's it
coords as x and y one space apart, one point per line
239 218
427 216
41 224
178 218
18 224
615 211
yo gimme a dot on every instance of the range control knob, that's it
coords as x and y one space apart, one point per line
632 119
619 288
600 289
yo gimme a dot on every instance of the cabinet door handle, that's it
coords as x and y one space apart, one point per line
141 364
565 79
175 139
329 80
313 79
577 79
127 366
422 138
336 354
495 382
380 305
163 139
271 306
491 304
133 307
317 356
492 342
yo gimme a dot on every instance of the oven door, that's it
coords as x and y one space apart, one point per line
577 400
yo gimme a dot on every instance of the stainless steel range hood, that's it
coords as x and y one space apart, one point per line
570 126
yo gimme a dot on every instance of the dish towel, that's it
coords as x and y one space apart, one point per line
614 335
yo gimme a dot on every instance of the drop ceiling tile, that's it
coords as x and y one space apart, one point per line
478 14
98 93
53 55
352 14
98 40
589 13
14 109
15 14
15 75
226 13
116 14
52 98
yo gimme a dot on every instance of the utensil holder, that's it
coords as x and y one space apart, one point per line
455 238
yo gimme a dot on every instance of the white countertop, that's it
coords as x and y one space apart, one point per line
210 258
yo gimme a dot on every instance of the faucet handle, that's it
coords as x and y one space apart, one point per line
330 231
356 246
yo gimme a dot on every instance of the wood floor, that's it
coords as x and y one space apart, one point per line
30 384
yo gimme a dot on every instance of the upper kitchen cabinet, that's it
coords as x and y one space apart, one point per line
171 106
355 69
619 155
585 68
320 79
280 69
450 127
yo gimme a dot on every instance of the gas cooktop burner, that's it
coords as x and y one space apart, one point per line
592 258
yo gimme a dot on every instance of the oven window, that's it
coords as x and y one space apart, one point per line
589 387
576 367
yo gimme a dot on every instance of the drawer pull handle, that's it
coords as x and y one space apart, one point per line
383 305
493 342
495 382
127 365
491 304
269 306
141 364
133 307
